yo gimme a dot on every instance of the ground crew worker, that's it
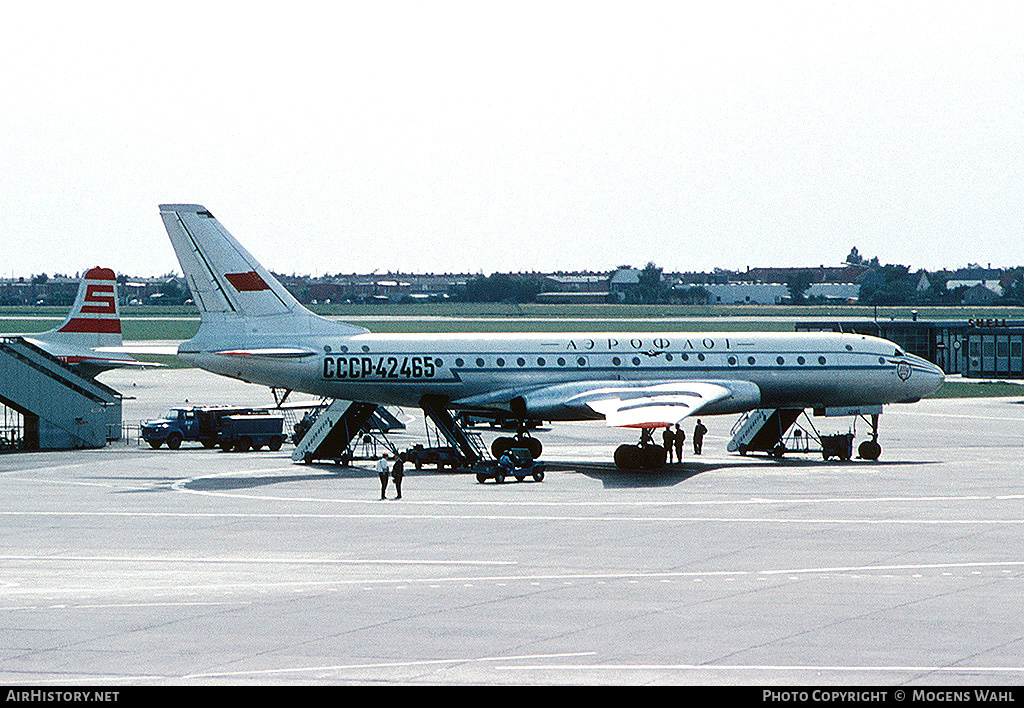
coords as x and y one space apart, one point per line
397 472
383 469
669 442
679 437
698 437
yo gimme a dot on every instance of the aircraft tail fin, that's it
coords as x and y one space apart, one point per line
95 318
230 287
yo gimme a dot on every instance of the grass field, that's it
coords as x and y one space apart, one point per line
147 323
978 389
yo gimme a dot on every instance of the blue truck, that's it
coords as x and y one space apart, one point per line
251 431
207 424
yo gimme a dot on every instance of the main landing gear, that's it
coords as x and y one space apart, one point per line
645 455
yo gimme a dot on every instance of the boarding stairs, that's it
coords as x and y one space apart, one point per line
333 431
61 409
762 429
469 444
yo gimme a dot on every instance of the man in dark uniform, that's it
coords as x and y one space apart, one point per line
679 437
397 472
669 442
698 437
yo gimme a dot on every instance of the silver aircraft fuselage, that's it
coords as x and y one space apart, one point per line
767 370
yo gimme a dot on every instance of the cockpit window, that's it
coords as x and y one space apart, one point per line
898 352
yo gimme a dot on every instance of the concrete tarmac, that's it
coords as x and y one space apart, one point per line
128 565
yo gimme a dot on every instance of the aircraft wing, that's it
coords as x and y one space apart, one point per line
629 404
654 406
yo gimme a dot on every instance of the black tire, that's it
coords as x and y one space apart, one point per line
173 441
625 457
501 445
155 444
653 457
481 478
538 476
869 450
275 443
243 445
534 446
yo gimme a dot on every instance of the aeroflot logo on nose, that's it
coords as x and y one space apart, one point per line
247 282
903 370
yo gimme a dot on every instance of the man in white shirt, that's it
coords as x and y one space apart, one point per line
383 469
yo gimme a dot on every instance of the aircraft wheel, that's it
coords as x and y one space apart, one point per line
653 457
625 457
870 450
501 445
534 446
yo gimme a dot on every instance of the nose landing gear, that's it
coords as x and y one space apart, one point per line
870 449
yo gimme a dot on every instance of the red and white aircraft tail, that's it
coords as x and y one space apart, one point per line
92 329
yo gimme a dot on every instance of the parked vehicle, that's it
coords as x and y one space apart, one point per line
245 432
443 457
200 424
517 462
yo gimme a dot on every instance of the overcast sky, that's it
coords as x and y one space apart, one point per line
508 136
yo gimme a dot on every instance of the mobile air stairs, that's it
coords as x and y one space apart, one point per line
763 430
335 431
767 430
465 448
60 409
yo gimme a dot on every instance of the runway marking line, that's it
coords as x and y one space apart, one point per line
529 518
767 668
284 561
631 576
383 665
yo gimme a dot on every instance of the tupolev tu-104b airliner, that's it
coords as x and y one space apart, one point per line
253 329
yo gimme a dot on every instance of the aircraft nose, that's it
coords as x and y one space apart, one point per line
937 377
929 376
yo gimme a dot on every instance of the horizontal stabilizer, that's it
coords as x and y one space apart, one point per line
153 349
269 352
